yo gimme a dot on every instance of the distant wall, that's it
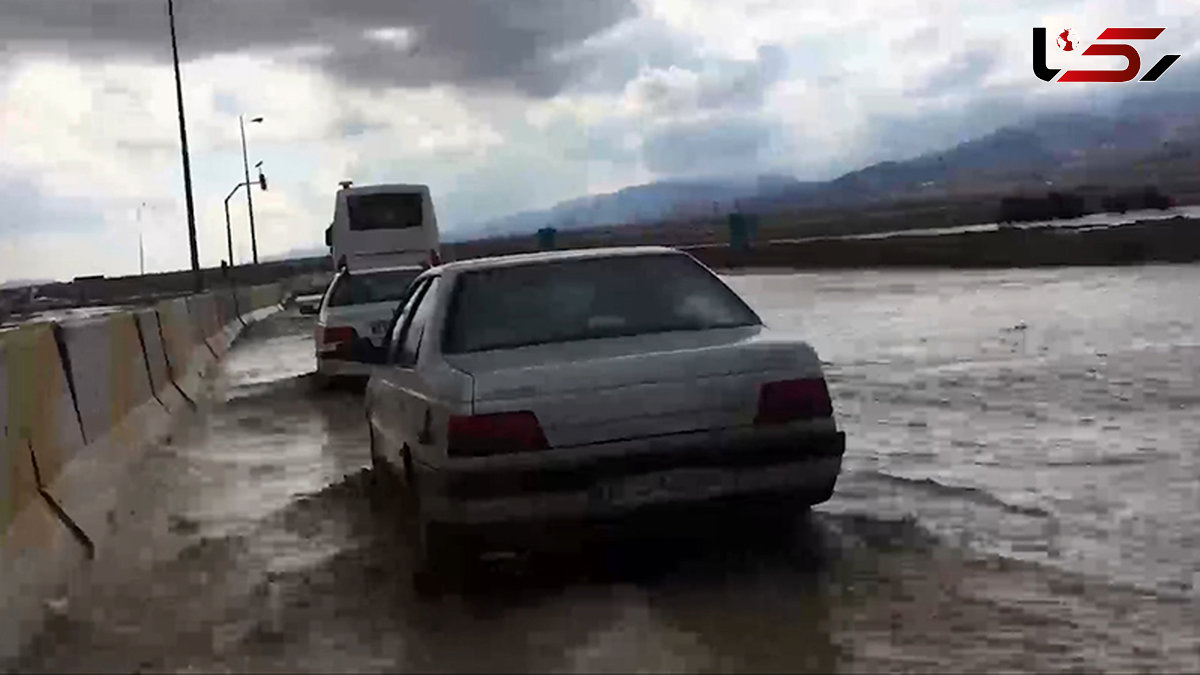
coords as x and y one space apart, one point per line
78 403
122 290
1170 240
1176 240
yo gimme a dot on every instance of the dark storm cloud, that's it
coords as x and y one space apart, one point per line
464 42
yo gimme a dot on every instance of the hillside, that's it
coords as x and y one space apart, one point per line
655 202
1063 148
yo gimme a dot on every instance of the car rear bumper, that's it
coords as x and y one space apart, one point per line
331 367
802 468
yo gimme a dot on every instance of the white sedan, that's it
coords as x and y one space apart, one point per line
577 385
353 317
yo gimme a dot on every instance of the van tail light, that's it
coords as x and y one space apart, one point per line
792 400
338 339
495 434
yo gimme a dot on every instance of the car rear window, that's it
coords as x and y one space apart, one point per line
364 288
586 299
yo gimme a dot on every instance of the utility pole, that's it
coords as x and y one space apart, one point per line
141 247
198 279
228 226
249 200
262 181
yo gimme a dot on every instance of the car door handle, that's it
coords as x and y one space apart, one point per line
425 437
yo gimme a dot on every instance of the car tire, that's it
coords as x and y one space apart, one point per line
378 465
381 481
437 559
439 550
381 470
321 381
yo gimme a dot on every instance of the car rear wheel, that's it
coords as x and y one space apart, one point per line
321 381
439 551
382 480
440 557
378 465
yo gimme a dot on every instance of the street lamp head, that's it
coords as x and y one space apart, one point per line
256 119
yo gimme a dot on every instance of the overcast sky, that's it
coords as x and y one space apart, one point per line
498 105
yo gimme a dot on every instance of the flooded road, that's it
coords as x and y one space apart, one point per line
1020 492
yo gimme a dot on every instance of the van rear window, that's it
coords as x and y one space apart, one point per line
385 211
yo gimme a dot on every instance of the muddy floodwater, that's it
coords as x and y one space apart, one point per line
1021 492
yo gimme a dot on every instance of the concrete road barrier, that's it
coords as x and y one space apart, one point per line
227 312
79 402
245 303
108 369
106 363
262 301
203 309
38 405
155 352
39 556
187 357
231 318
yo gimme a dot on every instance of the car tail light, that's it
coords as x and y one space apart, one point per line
499 433
337 338
792 400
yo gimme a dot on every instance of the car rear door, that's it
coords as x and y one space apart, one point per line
404 405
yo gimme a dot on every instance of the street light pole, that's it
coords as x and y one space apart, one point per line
228 227
249 199
198 279
262 181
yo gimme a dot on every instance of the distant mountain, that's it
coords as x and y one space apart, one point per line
1033 152
1029 153
654 202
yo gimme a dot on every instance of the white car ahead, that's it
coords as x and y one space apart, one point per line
576 385
354 316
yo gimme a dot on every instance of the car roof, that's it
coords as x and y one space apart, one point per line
383 270
542 257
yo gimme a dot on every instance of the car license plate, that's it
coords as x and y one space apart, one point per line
378 327
667 486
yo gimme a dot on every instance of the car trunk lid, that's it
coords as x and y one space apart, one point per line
608 389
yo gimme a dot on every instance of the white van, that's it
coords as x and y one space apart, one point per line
378 226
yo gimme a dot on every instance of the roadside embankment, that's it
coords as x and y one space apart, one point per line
79 400
1176 241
